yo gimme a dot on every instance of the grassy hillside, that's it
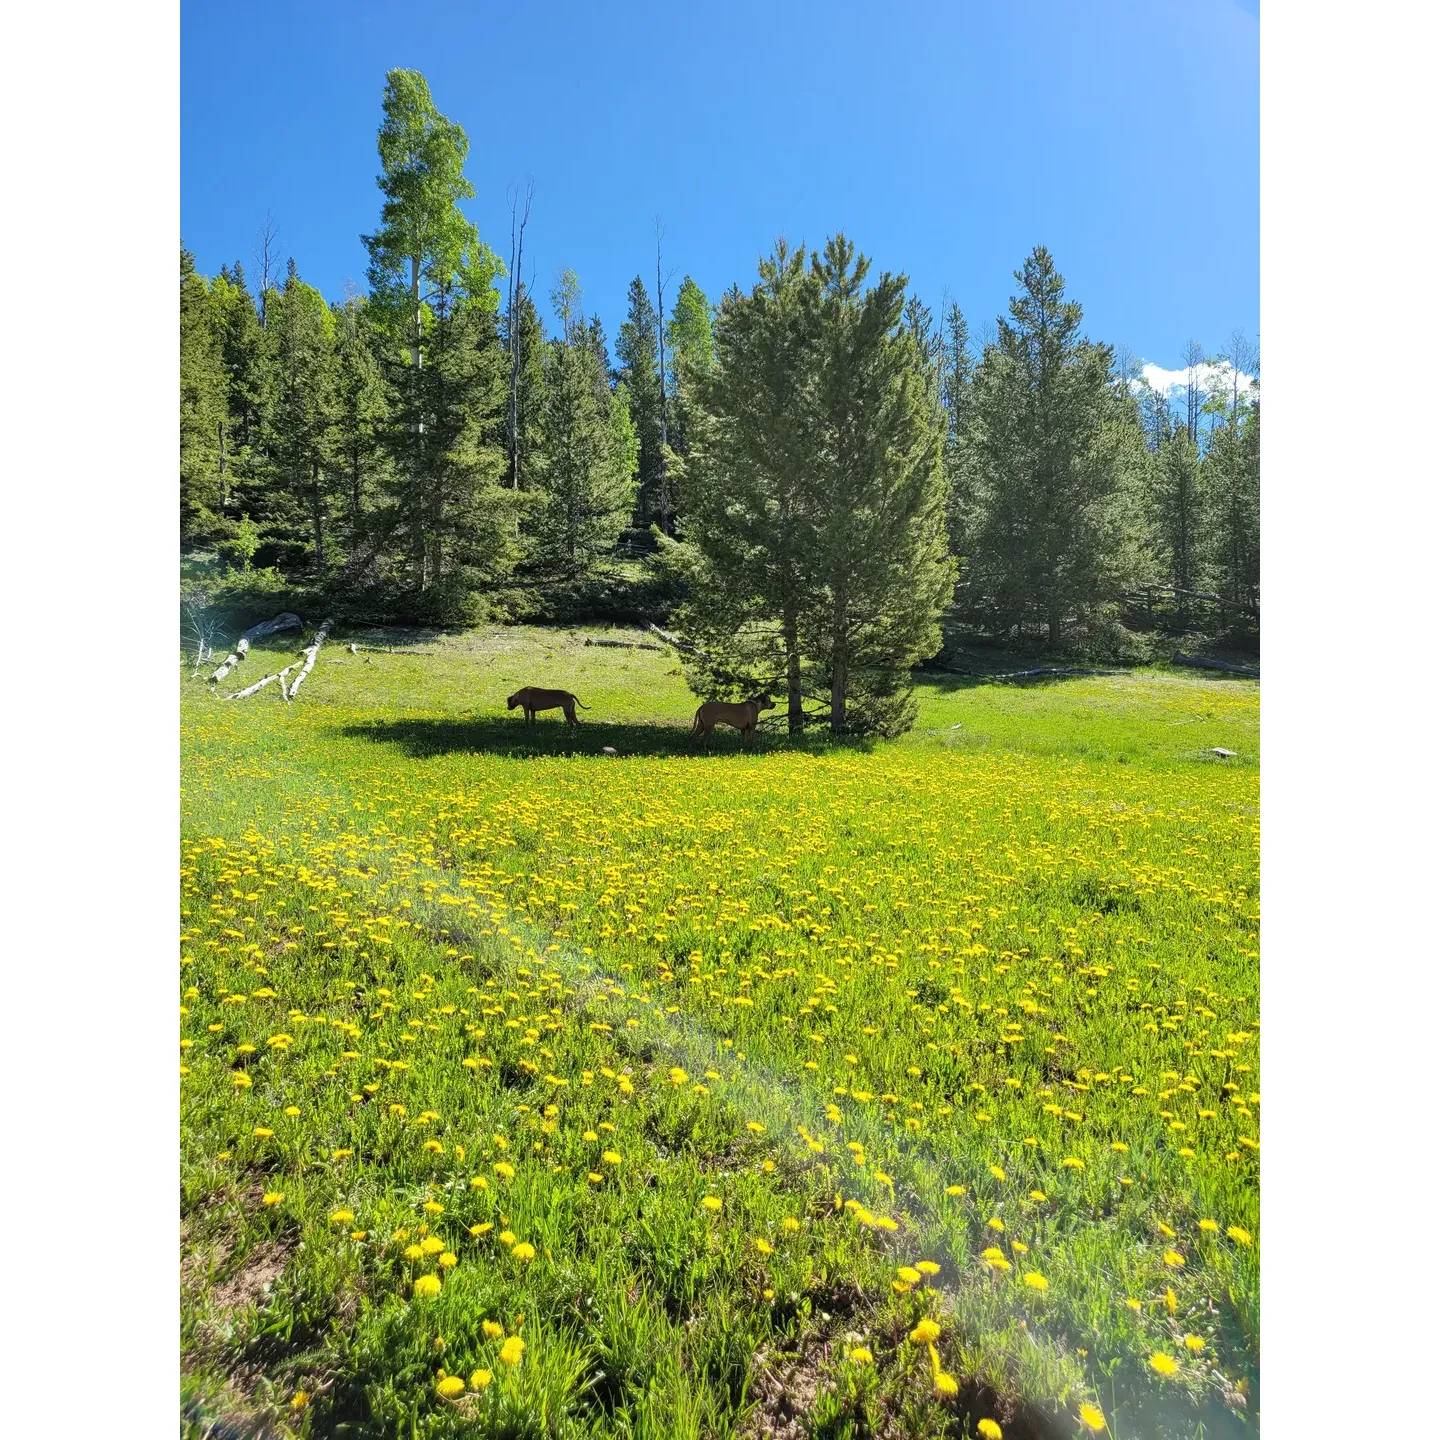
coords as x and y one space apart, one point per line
830 1090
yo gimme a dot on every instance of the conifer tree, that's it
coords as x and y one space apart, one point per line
875 494
360 414
302 331
202 407
245 356
750 546
1180 519
529 365
637 350
587 486
1054 473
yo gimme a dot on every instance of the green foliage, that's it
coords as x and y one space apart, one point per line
202 407
424 245
637 349
585 474
817 547
1052 472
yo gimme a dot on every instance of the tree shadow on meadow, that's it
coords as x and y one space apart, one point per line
422 739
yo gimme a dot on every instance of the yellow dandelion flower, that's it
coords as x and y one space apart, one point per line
342 1217
1194 1344
504 1169
272 1197
1092 1418
995 1223
450 1386
711 1203
611 1157
988 1428
448 1260
763 1246
427 1285
860 1355
927 1267
480 1379
925 1332
1174 1259
512 1351
1162 1364
1036 1282
997 1172
493 1329
1239 1236
909 1275
523 1251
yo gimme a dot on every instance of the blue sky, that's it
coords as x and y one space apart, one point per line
946 139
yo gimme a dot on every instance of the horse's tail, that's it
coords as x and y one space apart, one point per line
579 702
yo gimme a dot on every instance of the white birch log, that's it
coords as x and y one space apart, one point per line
310 652
258 685
285 621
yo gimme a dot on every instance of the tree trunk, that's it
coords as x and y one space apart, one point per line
839 678
1053 620
317 520
796 710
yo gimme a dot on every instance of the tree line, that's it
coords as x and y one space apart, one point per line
826 468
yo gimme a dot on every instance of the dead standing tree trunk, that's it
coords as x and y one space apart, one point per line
285 621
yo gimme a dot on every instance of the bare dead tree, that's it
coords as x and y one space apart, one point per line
515 292
202 625
660 283
1194 387
267 257
1243 358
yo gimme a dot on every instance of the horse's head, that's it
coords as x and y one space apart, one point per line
513 701
762 702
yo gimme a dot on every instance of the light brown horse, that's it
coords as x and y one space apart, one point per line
744 717
532 699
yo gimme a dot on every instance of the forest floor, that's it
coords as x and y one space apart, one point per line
838 1089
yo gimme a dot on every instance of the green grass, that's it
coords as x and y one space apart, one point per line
892 971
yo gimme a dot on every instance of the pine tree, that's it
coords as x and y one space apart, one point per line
584 469
360 414
1232 482
529 376
750 542
875 495
957 374
302 330
637 350
202 408
1180 520
1053 470
245 357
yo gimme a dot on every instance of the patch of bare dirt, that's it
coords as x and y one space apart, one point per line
248 1283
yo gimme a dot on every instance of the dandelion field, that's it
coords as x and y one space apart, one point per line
905 1090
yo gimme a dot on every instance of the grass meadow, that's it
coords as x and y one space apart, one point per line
837 1090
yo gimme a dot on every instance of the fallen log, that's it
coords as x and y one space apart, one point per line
260 685
625 644
310 652
285 621
1203 662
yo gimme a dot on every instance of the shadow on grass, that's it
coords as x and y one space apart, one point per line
498 735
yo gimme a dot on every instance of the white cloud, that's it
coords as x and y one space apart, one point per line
1167 382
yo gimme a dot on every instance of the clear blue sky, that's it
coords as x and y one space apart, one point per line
947 139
